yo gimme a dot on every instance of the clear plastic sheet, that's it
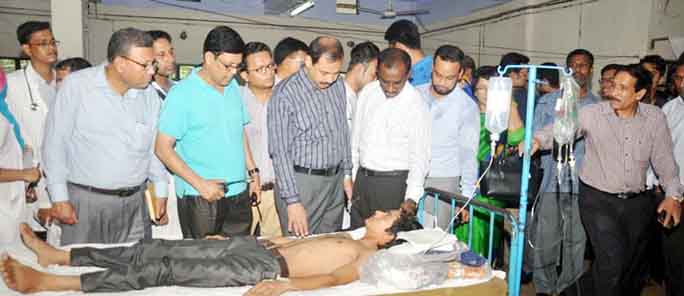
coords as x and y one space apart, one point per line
406 272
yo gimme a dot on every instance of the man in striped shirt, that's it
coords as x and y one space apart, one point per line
308 141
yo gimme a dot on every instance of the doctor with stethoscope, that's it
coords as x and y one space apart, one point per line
29 95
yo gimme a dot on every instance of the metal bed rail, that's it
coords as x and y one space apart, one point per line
456 201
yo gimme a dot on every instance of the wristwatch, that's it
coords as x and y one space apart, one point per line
678 199
254 171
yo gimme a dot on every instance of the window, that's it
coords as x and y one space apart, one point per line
183 71
10 64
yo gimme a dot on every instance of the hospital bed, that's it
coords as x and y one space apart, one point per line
491 285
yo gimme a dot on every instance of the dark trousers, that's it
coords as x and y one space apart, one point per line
237 261
228 216
372 193
618 230
673 249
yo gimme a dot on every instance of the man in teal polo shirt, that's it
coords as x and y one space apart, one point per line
404 35
204 118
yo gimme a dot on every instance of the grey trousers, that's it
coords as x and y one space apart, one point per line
106 219
441 216
323 199
557 239
237 261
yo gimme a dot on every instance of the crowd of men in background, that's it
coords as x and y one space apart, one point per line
279 142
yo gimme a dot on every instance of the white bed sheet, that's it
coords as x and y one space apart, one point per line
25 256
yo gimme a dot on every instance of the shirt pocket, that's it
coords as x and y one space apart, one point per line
143 134
642 151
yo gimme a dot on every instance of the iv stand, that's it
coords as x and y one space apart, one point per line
517 246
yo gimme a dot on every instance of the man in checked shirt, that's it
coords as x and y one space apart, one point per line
622 137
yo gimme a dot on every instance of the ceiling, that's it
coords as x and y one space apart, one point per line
440 10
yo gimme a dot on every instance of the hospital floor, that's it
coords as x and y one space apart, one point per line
649 290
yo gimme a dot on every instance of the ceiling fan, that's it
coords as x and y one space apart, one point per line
390 13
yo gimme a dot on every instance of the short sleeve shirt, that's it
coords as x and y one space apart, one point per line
209 130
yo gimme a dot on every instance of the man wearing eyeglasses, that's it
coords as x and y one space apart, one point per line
30 92
166 59
98 148
259 76
204 119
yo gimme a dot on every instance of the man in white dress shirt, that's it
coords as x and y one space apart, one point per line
31 92
390 140
363 65
673 239
165 55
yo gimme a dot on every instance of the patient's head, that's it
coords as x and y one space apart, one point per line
384 226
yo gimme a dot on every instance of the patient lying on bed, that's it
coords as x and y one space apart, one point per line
309 263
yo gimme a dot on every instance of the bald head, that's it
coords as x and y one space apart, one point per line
392 58
394 66
326 47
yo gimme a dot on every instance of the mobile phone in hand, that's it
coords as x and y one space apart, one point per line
661 219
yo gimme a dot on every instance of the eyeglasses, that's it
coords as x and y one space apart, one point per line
45 44
264 69
151 66
229 68
606 81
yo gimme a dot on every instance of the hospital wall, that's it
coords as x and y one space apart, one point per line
616 31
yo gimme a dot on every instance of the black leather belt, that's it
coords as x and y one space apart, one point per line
267 186
318 172
626 195
284 270
273 248
372 173
120 192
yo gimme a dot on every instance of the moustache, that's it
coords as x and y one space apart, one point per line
612 98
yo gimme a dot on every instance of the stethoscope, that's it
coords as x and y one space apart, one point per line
34 104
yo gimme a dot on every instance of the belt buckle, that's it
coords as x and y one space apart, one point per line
622 195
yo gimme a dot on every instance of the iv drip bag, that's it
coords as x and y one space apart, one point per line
499 94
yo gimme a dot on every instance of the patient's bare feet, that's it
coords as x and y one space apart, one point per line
20 277
46 254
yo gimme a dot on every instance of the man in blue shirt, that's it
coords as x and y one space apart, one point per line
549 228
404 35
204 118
455 129
98 147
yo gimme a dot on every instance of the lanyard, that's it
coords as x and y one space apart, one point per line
34 105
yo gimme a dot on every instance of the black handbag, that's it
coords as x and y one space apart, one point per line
502 181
